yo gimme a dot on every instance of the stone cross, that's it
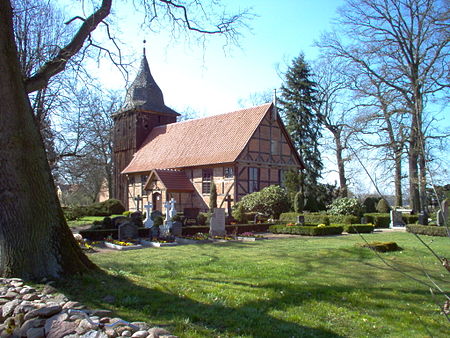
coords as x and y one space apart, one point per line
217 224
172 211
138 199
396 220
168 220
228 199
148 222
442 214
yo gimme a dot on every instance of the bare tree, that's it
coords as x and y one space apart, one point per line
404 45
35 241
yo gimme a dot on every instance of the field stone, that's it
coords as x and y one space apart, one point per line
93 334
60 329
8 308
60 317
101 313
11 295
111 333
27 290
48 289
3 301
126 333
30 296
29 324
143 326
73 305
44 312
156 332
140 334
84 326
37 332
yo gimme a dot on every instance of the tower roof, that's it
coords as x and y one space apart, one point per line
144 93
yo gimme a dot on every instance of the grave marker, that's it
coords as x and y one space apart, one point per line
217 224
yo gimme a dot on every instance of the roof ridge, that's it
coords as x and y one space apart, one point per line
215 116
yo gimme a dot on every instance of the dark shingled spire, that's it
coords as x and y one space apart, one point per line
144 94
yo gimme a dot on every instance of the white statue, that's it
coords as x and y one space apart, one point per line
172 211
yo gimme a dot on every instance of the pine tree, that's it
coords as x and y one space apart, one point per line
298 96
213 197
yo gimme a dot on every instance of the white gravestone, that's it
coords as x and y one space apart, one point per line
172 211
148 222
442 214
396 220
165 229
217 224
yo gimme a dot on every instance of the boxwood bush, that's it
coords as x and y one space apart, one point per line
306 230
344 219
318 218
359 228
428 230
379 220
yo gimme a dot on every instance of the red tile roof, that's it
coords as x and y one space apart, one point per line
211 140
173 180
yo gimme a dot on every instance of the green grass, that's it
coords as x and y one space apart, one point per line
87 220
316 287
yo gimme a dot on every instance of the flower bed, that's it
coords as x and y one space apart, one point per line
158 244
122 245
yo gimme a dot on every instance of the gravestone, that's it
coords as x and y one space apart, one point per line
128 230
301 219
165 228
177 228
148 222
396 220
136 218
172 211
217 223
442 214
423 218
364 220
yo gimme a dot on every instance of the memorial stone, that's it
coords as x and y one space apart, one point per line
148 222
442 214
396 220
217 223
301 219
127 230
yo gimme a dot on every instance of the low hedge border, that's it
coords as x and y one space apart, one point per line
238 228
428 230
291 217
306 230
358 228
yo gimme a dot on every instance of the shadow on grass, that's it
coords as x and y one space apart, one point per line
133 301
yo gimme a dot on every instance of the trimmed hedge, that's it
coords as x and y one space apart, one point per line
344 219
428 230
306 230
101 234
240 228
358 228
291 217
378 220
410 219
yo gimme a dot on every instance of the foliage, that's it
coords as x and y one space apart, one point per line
213 197
383 206
410 219
370 204
299 202
239 213
106 208
306 230
358 228
309 217
379 220
298 96
158 221
344 219
345 206
428 230
291 182
319 196
127 213
272 201
202 218
382 246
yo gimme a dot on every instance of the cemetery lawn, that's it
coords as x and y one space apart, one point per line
299 287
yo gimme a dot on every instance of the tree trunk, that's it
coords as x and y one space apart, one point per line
398 177
343 189
35 241
413 156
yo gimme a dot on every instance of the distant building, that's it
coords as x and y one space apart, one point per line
157 158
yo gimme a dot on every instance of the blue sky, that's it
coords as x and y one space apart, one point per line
213 79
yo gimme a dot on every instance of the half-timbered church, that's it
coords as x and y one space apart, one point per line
157 158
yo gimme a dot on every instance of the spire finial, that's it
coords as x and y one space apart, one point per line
144 46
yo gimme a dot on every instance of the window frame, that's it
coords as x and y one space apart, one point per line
207 178
253 179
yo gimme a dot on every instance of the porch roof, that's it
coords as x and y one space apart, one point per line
172 180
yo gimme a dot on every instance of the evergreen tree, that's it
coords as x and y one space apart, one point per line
213 197
298 97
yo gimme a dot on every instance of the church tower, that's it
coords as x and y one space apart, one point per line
143 110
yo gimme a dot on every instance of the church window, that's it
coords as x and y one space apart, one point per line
253 179
143 181
207 175
228 172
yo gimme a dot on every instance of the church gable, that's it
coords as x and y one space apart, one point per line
270 144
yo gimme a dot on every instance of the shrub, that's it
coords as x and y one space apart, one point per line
427 230
299 202
348 219
345 206
410 219
359 228
382 246
239 213
370 204
271 200
306 230
383 206
379 220
213 197
291 217
157 221
72 214
127 213
202 218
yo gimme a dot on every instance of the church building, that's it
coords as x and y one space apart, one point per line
157 158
